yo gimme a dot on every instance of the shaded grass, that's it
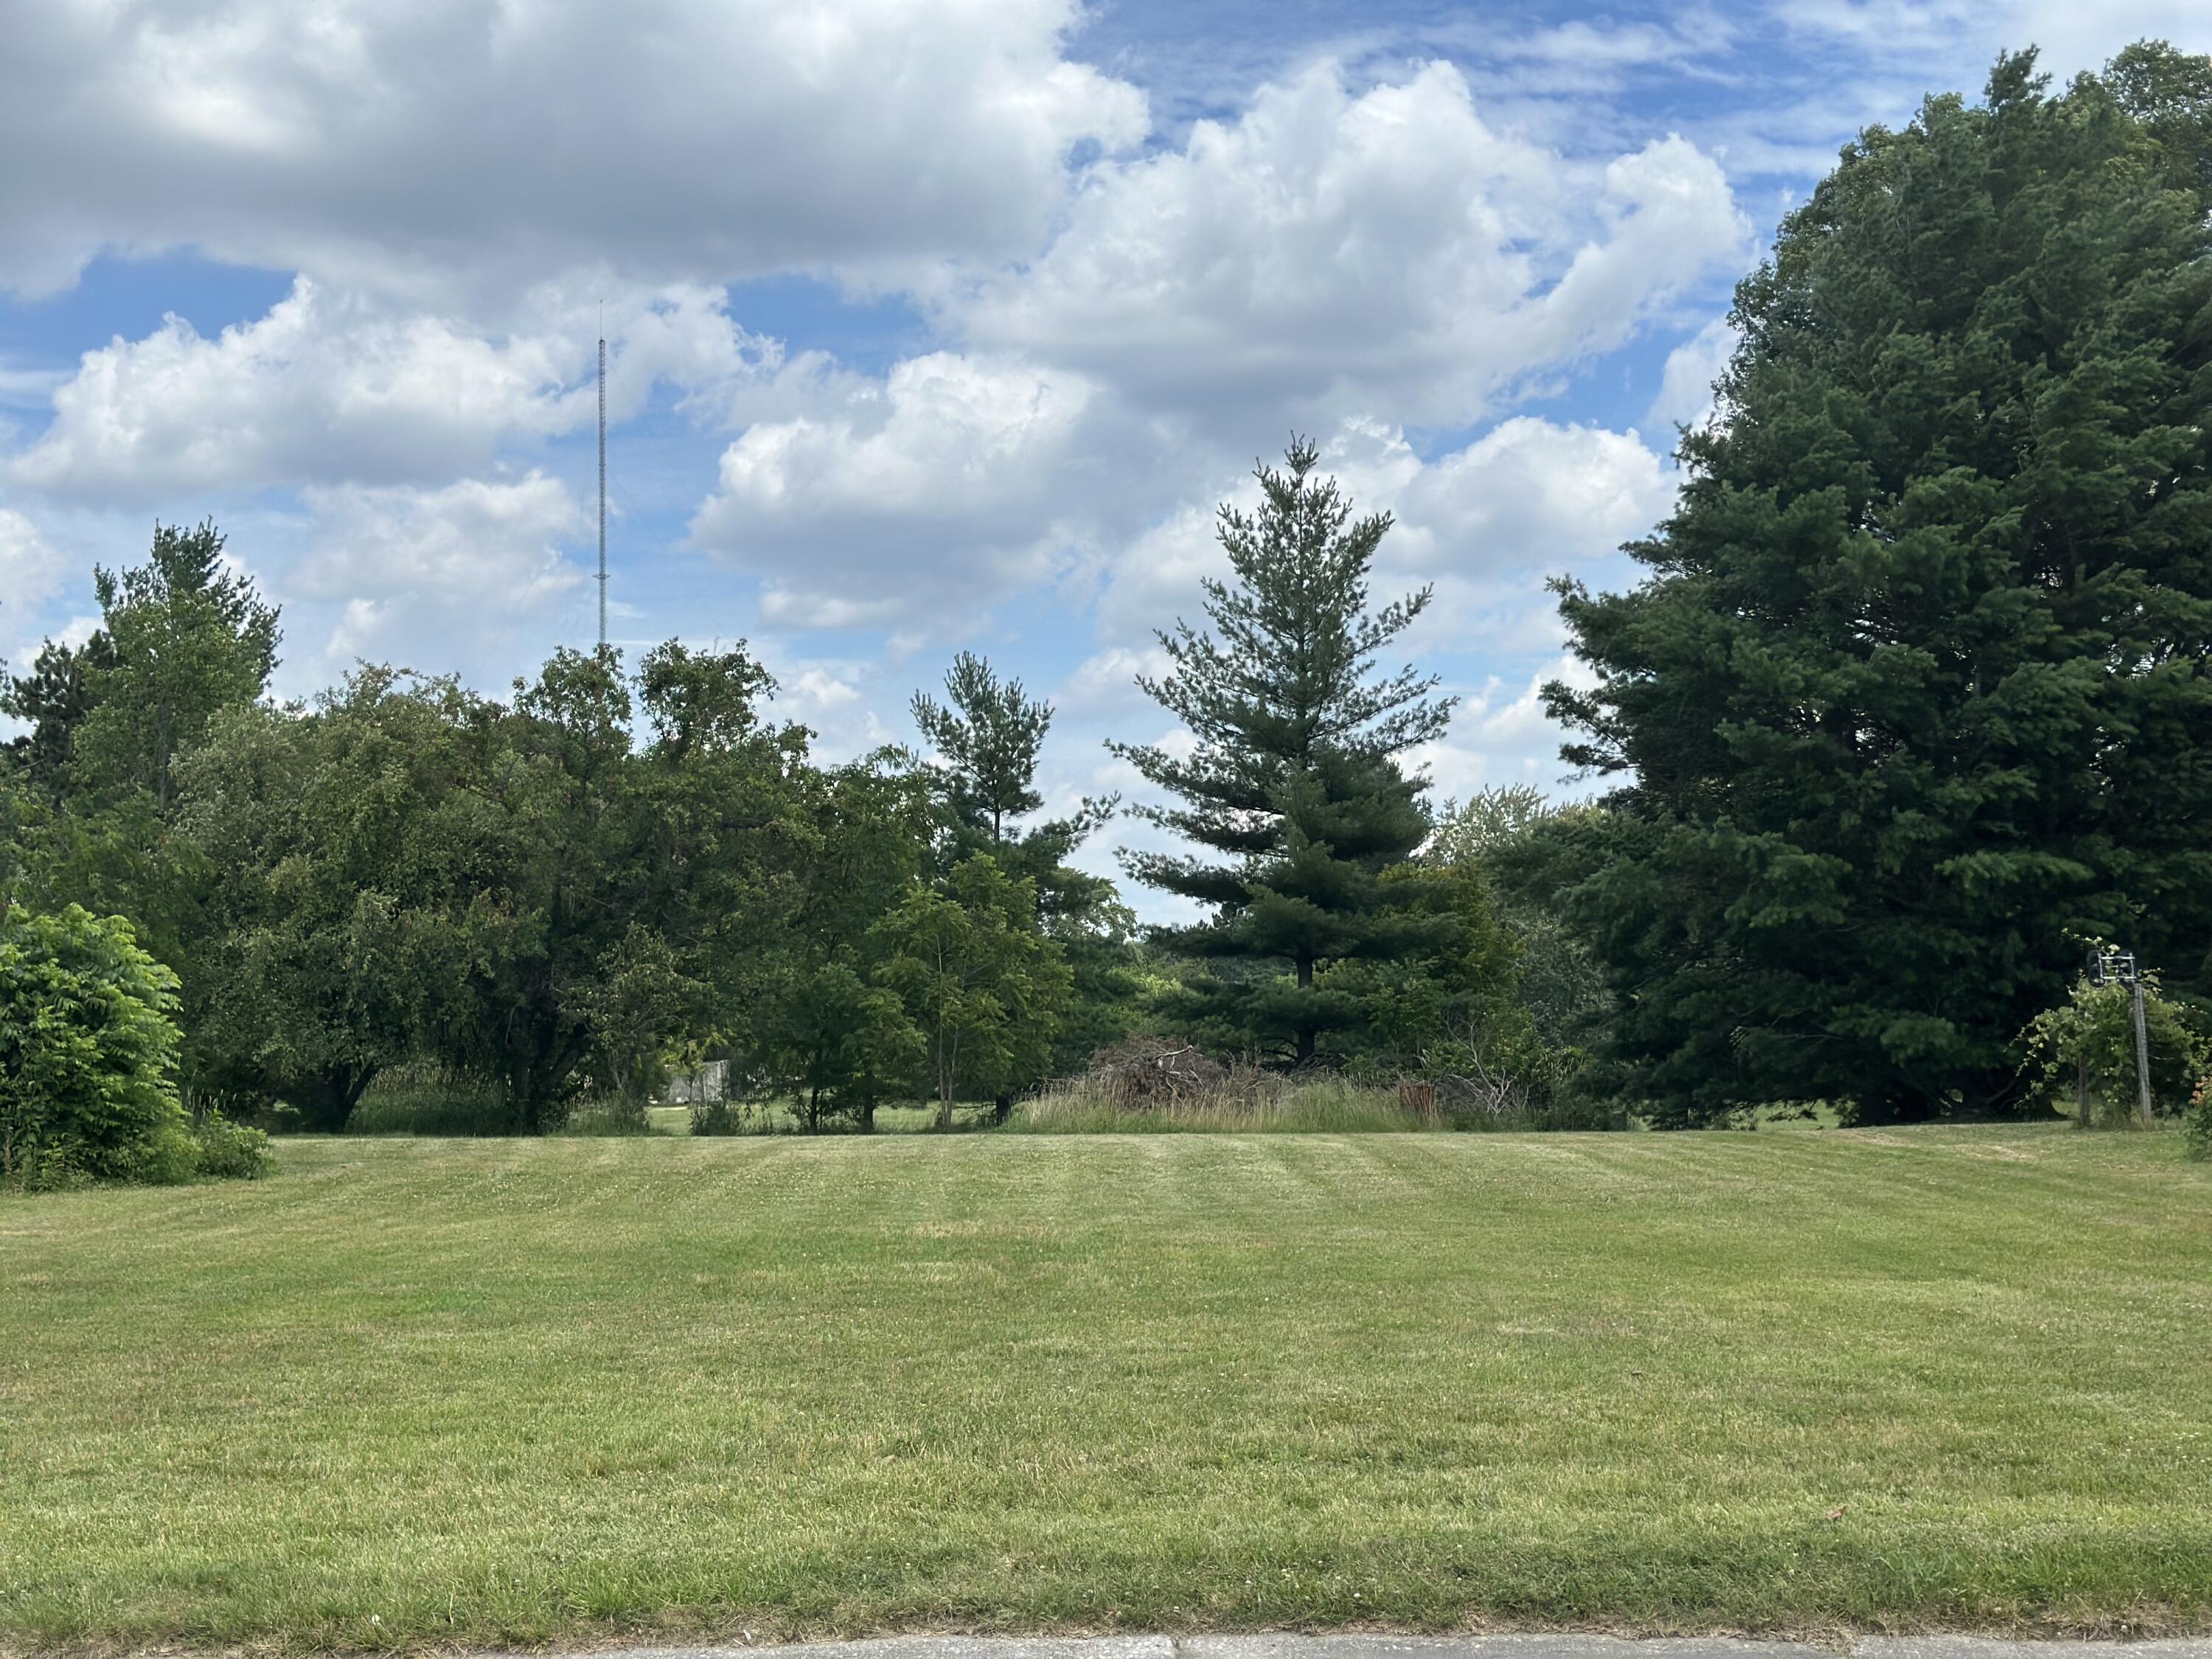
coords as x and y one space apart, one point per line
413 1392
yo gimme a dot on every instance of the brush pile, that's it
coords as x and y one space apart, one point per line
1148 1072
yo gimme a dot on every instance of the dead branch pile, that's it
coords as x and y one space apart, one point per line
1147 1071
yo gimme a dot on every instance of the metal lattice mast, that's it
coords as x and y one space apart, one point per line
603 492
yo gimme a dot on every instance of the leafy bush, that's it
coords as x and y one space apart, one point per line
47 1170
2197 1122
2084 1052
716 1117
230 1152
88 1054
170 1159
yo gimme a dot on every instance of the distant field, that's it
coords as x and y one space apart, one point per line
412 1392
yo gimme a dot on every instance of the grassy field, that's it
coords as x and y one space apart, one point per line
411 1391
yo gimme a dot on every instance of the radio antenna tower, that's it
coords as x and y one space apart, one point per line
603 488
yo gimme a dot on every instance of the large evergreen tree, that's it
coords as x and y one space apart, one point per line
1916 690
1293 784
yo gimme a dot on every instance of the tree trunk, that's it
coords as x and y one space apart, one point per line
1307 1035
333 1092
948 1066
362 1077
1891 1103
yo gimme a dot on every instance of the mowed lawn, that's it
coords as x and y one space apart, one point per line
409 1392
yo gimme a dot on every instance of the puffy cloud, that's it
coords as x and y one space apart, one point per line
1155 578
1686 388
1330 253
30 575
2070 35
1488 524
843 703
1529 493
1501 734
1485 523
1108 679
316 387
447 145
438 578
954 481
330 387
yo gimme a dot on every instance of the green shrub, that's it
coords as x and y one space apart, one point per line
170 1159
230 1152
716 1117
2082 1054
2197 1122
88 1053
47 1170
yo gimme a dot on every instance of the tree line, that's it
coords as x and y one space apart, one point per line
619 869
556 893
1912 704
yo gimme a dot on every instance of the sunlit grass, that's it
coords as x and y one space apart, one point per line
415 1391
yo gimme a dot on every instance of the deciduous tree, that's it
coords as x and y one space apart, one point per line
978 977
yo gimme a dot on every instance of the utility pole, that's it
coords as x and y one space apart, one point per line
2118 967
2142 1053
603 492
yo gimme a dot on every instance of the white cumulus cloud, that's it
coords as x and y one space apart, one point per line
1332 253
451 146
955 480
330 387
438 578
30 575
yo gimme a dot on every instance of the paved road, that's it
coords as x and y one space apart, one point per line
1435 1647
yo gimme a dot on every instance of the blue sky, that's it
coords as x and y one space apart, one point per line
934 324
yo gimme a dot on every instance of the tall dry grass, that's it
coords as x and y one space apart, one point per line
1245 1102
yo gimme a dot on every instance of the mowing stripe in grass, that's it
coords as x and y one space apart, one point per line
416 1392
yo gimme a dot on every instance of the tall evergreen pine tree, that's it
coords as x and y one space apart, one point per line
1294 782
1919 688
989 739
